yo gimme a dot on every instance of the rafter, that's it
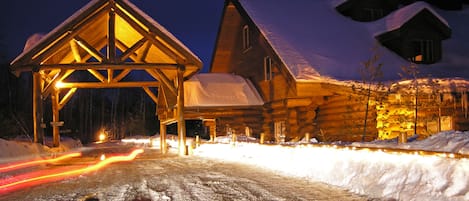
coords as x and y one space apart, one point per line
70 33
90 49
151 37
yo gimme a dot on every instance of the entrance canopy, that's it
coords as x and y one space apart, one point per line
108 39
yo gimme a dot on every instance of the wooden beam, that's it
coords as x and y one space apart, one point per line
151 94
55 119
90 49
158 75
141 57
37 109
111 51
100 66
151 37
100 85
121 75
163 145
67 98
68 34
75 51
97 75
180 112
50 87
131 50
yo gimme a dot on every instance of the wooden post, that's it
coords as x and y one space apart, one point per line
55 118
37 109
197 141
163 145
180 111
307 137
262 138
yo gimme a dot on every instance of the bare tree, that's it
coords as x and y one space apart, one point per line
371 73
411 72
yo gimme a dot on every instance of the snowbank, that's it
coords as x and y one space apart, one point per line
18 150
374 173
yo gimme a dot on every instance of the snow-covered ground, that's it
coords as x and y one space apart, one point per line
402 176
372 172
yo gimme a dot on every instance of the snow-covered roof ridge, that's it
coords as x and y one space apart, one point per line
317 43
399 17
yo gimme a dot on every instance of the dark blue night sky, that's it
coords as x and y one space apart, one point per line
195 23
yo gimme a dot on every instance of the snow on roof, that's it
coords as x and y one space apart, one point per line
399 17
35 40
220 89
316 42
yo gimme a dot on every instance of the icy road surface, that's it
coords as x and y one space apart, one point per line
153 176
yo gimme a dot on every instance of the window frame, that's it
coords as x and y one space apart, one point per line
246 37
267 68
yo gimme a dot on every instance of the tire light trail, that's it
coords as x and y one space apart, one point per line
37 162
20 181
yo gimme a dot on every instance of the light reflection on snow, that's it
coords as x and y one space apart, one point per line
45 176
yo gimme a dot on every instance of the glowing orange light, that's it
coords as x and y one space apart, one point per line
102 137
37 162
36 178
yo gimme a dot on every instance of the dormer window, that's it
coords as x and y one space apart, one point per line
267 68
246 37
424 51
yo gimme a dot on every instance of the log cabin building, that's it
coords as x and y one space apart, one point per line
306 59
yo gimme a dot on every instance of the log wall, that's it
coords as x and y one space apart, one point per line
341 118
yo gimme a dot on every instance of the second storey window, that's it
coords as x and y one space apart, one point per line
424 51
267 68
246 37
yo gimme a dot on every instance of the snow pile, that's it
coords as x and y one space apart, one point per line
374 173
19 150
13 149
448 141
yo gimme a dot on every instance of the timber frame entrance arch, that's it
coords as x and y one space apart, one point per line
108 39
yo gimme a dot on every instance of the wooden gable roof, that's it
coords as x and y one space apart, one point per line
110 32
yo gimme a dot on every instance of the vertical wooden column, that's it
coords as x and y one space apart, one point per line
37 109
55 118
163 138
111 52
181 124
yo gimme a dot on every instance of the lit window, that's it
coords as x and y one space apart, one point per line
423 51
246 38
267 68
